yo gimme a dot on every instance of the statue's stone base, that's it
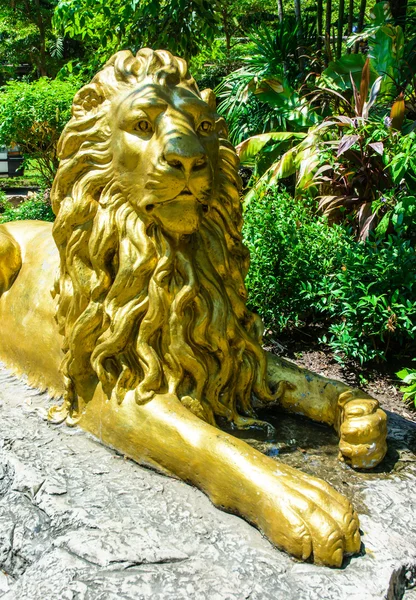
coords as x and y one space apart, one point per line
78 522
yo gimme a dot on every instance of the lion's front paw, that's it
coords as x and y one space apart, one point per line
362 427
315 521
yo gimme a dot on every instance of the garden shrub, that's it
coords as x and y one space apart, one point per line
303 269
371 300
33 115
35 208
288 245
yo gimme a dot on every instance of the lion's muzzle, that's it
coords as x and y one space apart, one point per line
186 153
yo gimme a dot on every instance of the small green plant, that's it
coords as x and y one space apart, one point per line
408 376
37 209
363 380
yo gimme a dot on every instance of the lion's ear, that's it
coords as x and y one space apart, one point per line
88 99
208 96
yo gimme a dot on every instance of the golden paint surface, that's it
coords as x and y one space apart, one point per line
146 332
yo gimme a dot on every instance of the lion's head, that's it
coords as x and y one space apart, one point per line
151 288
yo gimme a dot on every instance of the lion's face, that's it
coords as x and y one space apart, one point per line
144 305
165 153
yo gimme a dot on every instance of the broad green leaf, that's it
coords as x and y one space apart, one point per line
306 162
383 225
285 167
266 84
337 75
362 35
380 13
249 149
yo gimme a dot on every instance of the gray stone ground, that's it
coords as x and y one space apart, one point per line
79 522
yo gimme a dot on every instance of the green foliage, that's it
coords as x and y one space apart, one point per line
403 161
371 300
337 76
350 149
25 32
32 115
17 37
302 269
408 376
361 167
210 65
386 45
360 178
301 159
265 85
4 204
36 209
181 26
288 245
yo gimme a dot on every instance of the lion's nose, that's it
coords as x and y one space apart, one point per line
187 156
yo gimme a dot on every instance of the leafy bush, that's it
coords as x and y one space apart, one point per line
359 160
367 169
37 209
288 245
302 269
364 170
371 300
32 115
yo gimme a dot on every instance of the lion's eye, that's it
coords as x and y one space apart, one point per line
205 126
144 126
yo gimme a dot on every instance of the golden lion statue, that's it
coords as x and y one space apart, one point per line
146 334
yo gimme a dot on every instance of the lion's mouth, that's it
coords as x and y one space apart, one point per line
204 199
186 196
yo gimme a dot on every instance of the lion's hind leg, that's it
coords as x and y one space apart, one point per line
10 260
356 416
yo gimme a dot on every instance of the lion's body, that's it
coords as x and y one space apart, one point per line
30 342
133 307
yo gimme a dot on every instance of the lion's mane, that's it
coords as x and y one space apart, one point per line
135 311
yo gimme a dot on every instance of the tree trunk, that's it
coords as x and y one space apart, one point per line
328 18
399 11
42 40
340 27
42 58
225 18
350 20
280 10
361 15
360 25
298 17
319 15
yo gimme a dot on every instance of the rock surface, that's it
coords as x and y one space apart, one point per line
79 522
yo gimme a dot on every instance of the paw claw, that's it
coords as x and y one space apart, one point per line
324 525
